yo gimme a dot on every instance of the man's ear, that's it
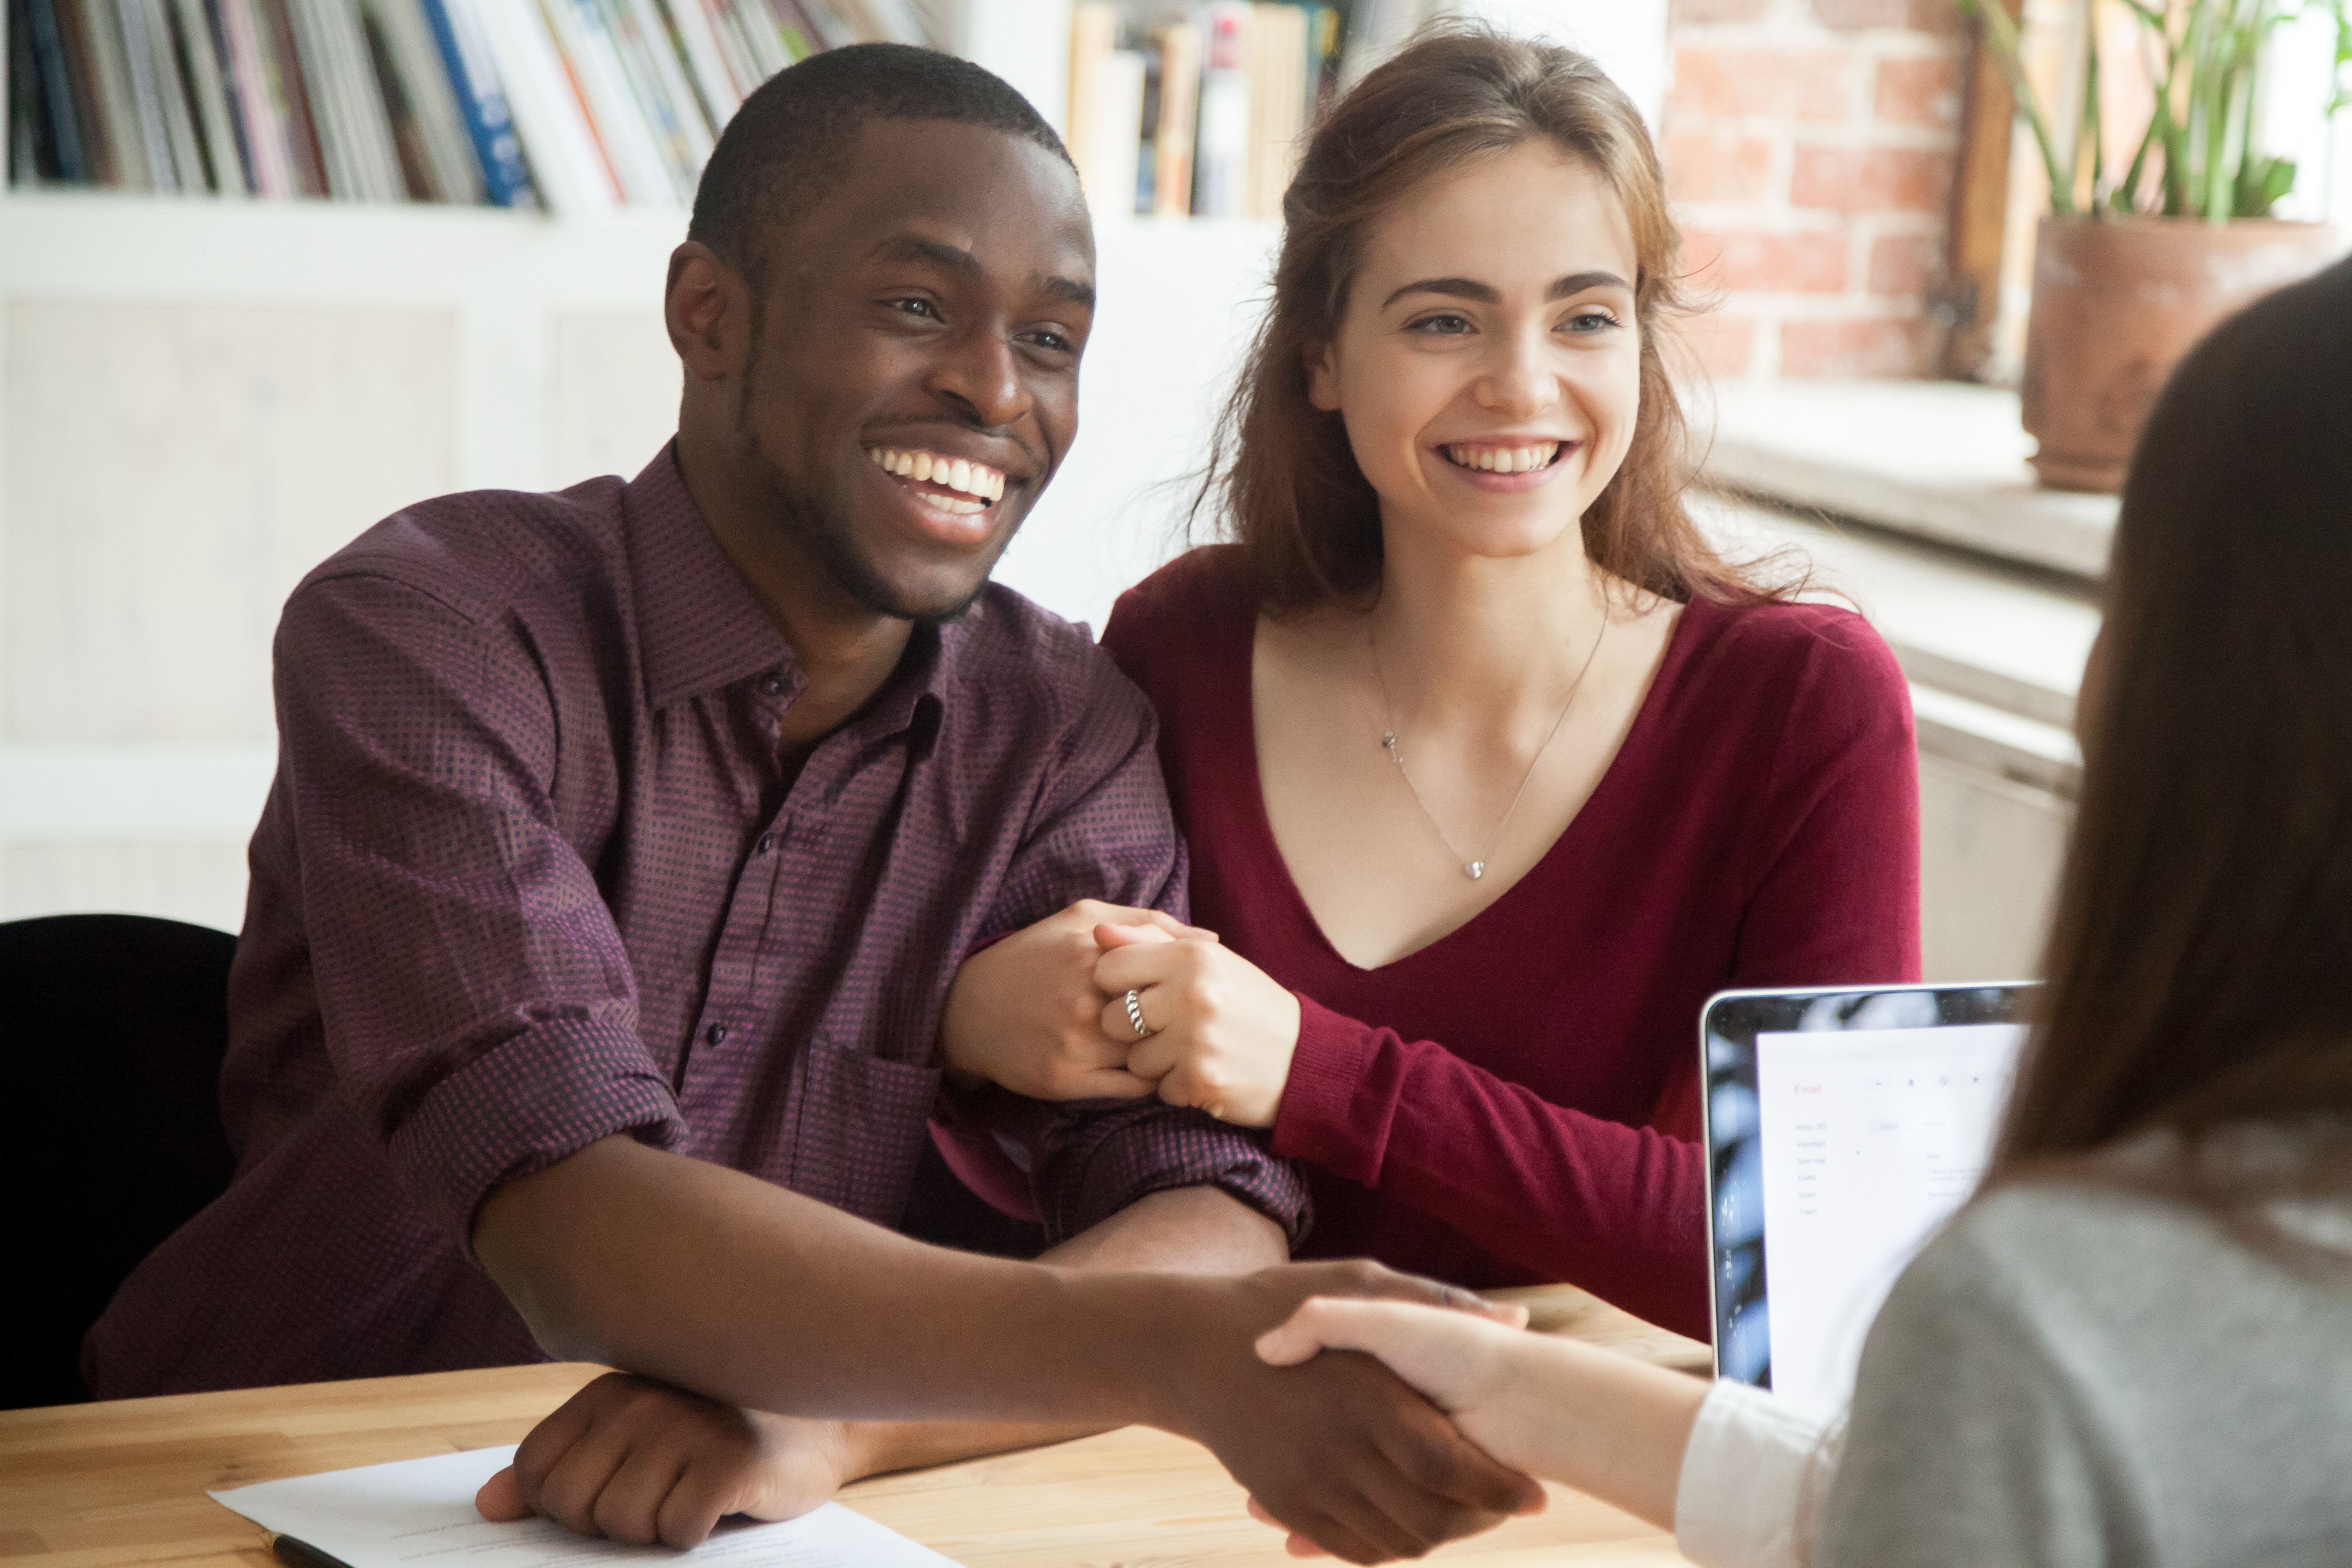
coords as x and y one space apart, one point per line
707 305
1322 377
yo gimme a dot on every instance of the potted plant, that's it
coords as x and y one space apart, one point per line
2133 266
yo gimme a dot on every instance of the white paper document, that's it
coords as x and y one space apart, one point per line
422 1512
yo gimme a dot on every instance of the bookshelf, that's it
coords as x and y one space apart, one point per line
200 398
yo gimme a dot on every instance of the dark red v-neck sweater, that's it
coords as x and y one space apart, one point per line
1517 1103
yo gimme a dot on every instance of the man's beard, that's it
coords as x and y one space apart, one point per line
807 523
851 571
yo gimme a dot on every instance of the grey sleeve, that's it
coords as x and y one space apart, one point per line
1970 1441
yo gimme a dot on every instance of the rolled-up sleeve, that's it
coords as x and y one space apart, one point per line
478 1002
1103 830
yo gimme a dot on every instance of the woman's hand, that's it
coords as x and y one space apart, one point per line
1221 1032
1455 1360
1605 1423
1022 1011
1459 1362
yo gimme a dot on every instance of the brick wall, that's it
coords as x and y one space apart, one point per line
1810 148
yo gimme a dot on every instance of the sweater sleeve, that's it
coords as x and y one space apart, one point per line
1617 1210
1829 894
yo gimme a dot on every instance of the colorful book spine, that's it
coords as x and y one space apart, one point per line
714 80
410 64
1179 100
268 138
576 105
568 165
1221 160
490 123
47 48
296 103
232 94
223 158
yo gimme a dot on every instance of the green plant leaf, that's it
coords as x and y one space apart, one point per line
2260 183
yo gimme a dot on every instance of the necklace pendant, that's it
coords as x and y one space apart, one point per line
1387 741
1476 868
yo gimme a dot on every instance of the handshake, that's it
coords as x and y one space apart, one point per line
1368 1456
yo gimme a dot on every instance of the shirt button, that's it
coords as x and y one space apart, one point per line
773 683
716 1034
767 844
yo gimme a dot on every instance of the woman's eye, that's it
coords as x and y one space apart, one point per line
1441 326
1585 322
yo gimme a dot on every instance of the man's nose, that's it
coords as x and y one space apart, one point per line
981 373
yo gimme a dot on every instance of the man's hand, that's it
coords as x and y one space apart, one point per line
640 1461
1024 1011
1339 1450
1466 1367
1222 1030
1609 1425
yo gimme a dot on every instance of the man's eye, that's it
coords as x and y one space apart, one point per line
917 306
1052 341
1447 326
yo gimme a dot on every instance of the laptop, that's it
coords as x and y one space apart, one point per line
1842 1127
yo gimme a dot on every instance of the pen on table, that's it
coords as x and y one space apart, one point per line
302 1554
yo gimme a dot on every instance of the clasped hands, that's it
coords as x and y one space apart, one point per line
1044 1013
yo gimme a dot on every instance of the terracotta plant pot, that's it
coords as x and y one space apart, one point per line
2116 302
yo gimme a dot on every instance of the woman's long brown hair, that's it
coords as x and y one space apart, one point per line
1289 485
2200 959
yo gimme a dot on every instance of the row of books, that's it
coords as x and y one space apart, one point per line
1199 109
574 105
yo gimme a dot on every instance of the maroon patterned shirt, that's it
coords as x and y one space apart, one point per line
529 875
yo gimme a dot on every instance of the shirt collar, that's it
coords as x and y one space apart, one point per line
701 629
698 624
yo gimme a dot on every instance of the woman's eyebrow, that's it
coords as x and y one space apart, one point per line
1578 282
1453 288
1486 294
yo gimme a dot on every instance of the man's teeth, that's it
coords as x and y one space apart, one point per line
1504 460
956 473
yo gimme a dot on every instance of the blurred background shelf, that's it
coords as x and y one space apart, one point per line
200 398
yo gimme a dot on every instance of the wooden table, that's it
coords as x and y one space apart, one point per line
119 1484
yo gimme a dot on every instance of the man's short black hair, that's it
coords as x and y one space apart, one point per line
794 136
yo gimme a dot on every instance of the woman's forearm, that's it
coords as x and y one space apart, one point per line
1605 1423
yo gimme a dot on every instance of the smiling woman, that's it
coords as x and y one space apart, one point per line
1491 768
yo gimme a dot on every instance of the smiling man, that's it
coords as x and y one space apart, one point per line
626 842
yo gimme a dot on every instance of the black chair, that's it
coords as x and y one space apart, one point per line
117 1027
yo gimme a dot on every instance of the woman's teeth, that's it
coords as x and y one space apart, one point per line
1504 460
977 481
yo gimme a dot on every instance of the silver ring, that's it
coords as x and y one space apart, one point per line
1135 1015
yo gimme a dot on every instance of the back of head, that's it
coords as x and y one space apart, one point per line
2198 959
796 133
1457 92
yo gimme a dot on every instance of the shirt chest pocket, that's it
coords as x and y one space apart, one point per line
852 1130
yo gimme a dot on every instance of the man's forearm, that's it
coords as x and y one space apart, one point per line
722 1283
725 1284
1185 1229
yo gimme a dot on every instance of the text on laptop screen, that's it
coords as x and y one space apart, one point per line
1870 1139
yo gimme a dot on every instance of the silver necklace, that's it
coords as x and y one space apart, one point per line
1473 868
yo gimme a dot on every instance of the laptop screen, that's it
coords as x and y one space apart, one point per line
1842 1127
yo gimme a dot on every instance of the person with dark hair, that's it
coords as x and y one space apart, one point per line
2134 1345
624 845
1491 770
